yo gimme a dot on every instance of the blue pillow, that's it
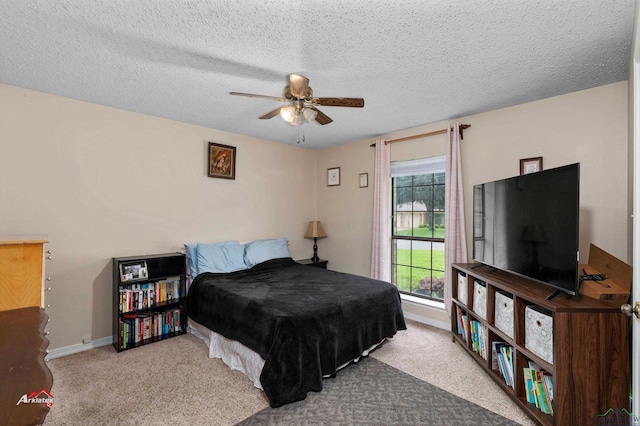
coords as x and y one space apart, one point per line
192 258
262 250
220 257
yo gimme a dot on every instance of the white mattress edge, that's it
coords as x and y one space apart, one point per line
239 357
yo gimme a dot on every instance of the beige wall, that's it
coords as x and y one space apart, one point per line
102 182
589 127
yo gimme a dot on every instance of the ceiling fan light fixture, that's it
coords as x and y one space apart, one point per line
309 114
297 120
288 113
291 115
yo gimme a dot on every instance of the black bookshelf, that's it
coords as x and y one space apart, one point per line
148 296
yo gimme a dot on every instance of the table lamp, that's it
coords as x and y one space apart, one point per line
315 231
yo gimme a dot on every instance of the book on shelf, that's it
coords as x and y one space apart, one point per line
148 295
478 337
507 352
548 384
461 319
502 360
539 387
135 328
530 393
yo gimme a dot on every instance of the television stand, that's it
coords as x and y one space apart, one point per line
480 265
585 349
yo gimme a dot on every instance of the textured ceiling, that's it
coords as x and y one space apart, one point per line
414 62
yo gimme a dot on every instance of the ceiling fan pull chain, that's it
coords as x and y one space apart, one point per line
298 140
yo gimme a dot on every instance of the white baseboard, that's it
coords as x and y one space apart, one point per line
81 347
105 341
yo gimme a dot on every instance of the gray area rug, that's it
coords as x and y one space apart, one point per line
371 392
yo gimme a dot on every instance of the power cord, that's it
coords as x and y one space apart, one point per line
594 277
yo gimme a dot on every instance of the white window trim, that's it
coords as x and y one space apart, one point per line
420 166
422 301
431 312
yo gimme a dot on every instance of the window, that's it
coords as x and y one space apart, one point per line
417 257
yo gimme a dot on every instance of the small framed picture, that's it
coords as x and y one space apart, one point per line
222 161
333 176
364 180
530 165
133 271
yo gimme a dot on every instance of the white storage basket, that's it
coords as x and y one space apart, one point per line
462 287
538 332
480 299
504 313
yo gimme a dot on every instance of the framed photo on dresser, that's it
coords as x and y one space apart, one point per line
133 271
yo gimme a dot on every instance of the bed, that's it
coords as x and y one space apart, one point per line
285 325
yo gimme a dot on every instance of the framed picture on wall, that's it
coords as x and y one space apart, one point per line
364 180
530 165
333 176
222 161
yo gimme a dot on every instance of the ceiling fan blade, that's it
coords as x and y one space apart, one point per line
251 95
341 102
271 114
298 85
321 117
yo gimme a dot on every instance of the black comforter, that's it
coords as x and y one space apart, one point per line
304 322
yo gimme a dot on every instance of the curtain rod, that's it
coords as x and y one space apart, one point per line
461 127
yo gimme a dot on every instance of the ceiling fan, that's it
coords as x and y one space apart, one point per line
302 104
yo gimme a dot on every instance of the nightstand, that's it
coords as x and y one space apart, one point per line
319 264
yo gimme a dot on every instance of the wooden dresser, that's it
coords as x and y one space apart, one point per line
25 379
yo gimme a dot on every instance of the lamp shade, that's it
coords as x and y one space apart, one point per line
315 230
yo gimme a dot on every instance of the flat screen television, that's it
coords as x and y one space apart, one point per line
528 225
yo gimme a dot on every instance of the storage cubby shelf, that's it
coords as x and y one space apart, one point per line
587 341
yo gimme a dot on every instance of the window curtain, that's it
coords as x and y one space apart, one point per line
381 241
455 234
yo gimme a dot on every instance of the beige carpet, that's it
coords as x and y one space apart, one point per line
173 382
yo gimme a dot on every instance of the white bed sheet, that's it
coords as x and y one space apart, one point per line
233 353
239 357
